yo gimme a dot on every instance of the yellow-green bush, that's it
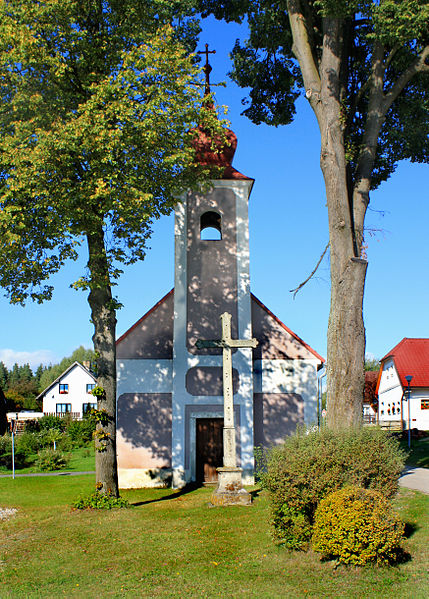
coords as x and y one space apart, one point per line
310 465
357 526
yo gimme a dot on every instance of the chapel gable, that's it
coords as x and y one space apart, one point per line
151 337
276 341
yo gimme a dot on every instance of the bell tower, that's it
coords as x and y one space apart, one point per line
211 277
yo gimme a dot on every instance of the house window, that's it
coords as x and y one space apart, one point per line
424 404
64 388
210 226
63 408
90 387
87 407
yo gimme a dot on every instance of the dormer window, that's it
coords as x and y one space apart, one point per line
210 226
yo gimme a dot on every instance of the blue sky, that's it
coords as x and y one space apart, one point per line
288 232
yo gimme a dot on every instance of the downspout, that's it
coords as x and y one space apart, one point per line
320 375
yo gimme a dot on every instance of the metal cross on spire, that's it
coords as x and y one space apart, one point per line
207 67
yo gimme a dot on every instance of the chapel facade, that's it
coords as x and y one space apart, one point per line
170 397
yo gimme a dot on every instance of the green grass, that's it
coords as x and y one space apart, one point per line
82 459
419 453
172 545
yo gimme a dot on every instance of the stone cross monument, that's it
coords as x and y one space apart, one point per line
229 490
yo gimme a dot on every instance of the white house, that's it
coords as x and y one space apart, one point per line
409 358
70 392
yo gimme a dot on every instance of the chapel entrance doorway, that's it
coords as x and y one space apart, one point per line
209 446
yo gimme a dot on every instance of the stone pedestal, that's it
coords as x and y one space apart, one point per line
229 490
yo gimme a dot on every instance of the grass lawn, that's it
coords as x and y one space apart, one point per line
82 459
419 452
170 544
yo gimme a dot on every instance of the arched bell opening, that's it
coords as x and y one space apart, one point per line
210 226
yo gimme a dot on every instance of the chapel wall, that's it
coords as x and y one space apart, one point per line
151 337
144 430
276 416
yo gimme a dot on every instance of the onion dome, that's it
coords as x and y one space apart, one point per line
215 152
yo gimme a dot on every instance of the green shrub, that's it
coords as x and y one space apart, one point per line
100 501
357 526
81 431
47 437
65 443
21 458
28 442
32 426
50 421
309 466
5 451
50 459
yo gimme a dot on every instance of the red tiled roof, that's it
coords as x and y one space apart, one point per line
411 357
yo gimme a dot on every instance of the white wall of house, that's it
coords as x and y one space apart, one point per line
393 403
419 415
70 392
390 394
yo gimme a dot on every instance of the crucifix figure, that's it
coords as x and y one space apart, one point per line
229 482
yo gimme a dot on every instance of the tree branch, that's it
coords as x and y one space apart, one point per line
304 54
295 291
391 55
419 65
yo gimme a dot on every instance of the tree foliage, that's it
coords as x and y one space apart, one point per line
100 103
363 67
96 133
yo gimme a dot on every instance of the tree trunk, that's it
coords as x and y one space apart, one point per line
346 332
104 339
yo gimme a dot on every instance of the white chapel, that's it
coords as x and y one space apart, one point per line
170 396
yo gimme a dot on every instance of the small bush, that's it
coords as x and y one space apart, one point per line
357 526
28 442
100 501
81 431
21 457
307 467
50 421
50 459
32 426
5 451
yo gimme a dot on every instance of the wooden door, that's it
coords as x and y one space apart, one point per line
209 447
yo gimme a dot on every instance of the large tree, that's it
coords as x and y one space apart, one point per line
99 99
363 67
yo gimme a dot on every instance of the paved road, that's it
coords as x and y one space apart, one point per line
415 478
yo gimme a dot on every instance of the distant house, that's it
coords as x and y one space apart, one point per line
370 401
70 392
409 358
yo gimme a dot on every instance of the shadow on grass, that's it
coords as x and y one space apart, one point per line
189 488
255 493
409 529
